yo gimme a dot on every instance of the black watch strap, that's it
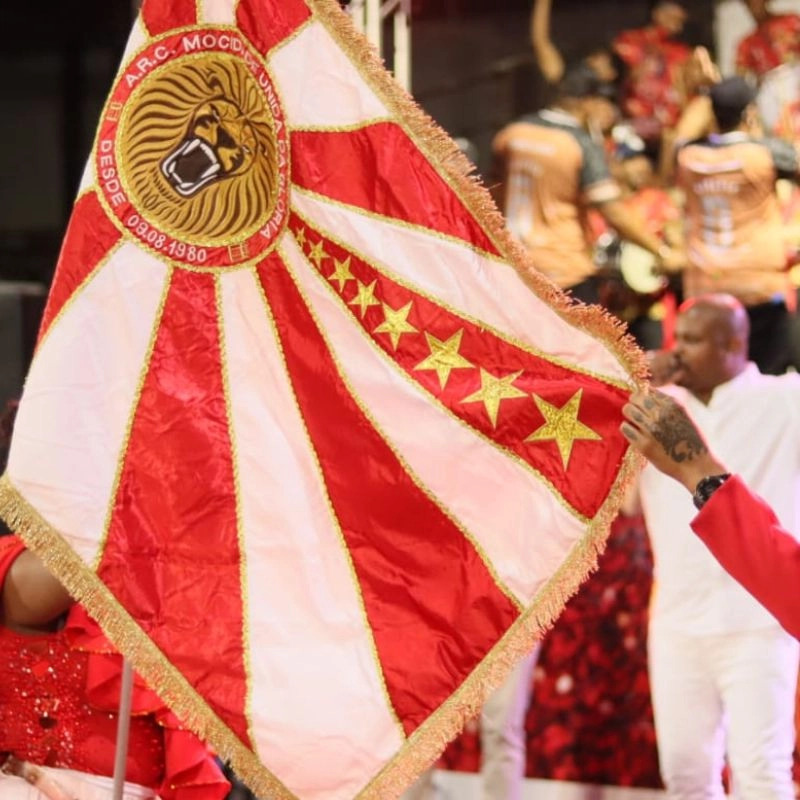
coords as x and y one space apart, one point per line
706 487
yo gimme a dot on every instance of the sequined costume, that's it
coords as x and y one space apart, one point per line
58 697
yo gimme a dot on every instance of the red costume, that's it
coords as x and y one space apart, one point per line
744 535
776 41
652 92
58 696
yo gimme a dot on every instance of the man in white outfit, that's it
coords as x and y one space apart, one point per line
723 672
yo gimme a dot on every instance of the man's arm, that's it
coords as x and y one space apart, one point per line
697 118
30 597
600 190
739 528
745 536
629 228
548 57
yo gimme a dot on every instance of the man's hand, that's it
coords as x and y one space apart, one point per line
664 367
665 435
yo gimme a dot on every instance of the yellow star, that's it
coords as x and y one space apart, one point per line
562 425
365 297
396 322
444 356
341 272
317 253
493 391
300 236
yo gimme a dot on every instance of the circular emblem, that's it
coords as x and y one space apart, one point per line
192 155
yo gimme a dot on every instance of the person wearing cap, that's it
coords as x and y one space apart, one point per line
552 173
736 241
723 673
653 90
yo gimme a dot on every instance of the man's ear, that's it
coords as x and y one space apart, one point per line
752 120
738 345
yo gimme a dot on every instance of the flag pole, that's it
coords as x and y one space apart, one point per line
123 729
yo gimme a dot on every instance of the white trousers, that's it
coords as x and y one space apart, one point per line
77 785
731 693
503 739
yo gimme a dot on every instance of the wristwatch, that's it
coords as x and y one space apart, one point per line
706 487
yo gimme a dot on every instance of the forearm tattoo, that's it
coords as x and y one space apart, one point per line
676 434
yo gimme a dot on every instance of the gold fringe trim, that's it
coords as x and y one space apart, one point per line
458 172
425 745
126 635
427 742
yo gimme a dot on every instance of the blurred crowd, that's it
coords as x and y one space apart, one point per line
650 178
657 187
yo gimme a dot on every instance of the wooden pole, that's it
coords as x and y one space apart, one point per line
123 729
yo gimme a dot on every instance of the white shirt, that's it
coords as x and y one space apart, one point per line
752 424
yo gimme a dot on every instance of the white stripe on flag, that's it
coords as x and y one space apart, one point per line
216 12
502 504
471 284
88 177
318 84
79 394
137 39
313 674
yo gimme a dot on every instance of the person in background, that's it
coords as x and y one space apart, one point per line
735 235
739 528
774 42
723 673
552 173
600 59
649 315
59 694
654 90
768 58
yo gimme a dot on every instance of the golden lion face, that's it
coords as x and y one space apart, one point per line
198 151
219 144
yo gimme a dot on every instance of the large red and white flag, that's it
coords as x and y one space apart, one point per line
298 432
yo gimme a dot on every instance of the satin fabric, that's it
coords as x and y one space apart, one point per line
180 768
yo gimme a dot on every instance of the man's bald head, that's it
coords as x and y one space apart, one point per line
712 335
725 314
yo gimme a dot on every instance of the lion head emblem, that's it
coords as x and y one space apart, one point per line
199 150
219 144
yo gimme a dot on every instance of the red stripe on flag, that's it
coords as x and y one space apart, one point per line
89 237
594 463
172 555
161 16
433 606
381 170
268 22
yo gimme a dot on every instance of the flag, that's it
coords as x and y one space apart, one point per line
303 430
